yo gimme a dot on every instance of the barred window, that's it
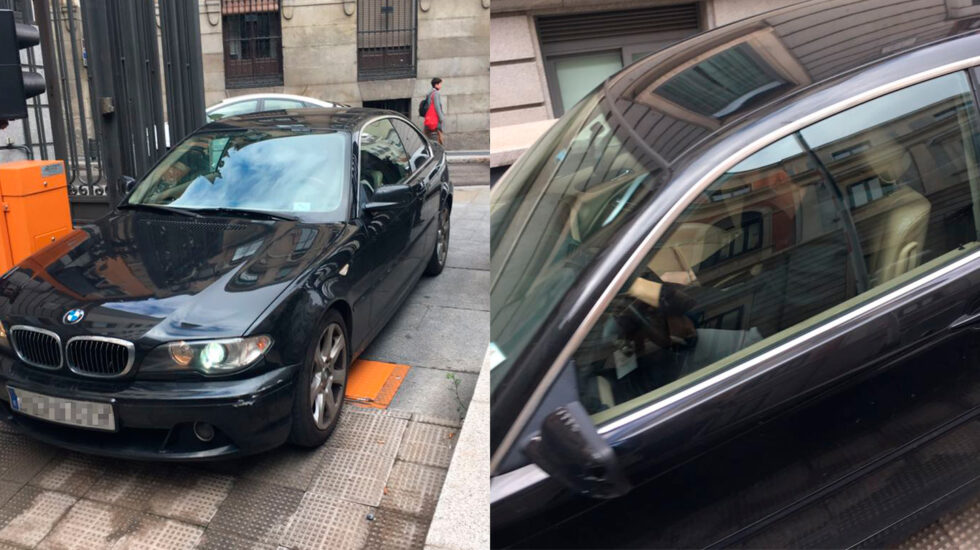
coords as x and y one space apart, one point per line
386 39
252 35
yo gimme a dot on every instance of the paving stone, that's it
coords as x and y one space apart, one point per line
257 511
368 432
22 458
962 527
430 393
71 473
414 489
327 522
30 514
175 492
219 540
153 533
91 524
7 490
287 466
353 475
396 530
933 537
445 338
428 444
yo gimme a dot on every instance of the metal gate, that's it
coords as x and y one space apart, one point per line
103 112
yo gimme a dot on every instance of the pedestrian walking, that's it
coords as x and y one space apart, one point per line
432 111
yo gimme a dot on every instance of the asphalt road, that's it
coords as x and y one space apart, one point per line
375 484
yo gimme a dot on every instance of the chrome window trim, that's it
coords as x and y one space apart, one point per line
660 228
13 344
130 347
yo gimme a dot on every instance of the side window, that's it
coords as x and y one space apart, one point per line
239 108
414 143
796 234
382 156
282 104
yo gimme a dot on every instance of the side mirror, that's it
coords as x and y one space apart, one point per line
128 184
388 197
571 450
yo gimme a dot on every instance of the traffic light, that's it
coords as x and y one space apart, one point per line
16 84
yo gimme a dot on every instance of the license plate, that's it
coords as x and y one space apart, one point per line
83 414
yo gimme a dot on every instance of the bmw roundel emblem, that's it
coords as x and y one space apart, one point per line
73 316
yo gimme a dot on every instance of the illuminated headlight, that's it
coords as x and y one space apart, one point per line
4 339
207 356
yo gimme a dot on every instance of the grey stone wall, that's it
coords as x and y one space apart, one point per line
320 60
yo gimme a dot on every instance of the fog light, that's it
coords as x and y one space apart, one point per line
204 431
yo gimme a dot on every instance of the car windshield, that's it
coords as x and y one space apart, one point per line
553 212
276 171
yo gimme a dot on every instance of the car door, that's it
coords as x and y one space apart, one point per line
425 177
383 162
795 362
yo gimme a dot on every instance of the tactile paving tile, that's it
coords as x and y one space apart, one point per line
7 490
155 533
219 540
352 475
963 527
22 458
371 432
174 492
287 466
428 444
28 517
933 537
91 524
256 511
71 473
395 530
414 489
327 522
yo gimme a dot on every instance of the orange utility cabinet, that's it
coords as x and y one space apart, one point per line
34 199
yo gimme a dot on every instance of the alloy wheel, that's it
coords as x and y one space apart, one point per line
329 375
442 237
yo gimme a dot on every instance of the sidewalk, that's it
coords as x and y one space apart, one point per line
462 516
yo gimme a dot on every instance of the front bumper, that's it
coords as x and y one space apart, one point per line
155 419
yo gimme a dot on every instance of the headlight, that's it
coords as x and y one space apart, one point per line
207 356
4 340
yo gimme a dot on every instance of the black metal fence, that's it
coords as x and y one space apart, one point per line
387 39
103 111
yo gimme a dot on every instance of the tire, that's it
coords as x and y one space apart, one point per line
313 423
441 250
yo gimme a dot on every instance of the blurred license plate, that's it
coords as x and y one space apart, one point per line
84 414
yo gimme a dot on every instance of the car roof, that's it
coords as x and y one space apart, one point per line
811 46
247 97
344 119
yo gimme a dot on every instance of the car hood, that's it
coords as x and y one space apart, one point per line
138 274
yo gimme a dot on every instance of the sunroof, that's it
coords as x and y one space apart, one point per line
723 84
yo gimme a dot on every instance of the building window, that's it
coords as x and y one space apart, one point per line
581 50
387 33
402 106
253 43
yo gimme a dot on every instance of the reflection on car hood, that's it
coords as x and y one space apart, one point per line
138 274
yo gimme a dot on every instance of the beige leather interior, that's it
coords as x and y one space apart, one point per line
893 232
690 244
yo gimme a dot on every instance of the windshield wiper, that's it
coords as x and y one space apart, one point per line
159 208
246 213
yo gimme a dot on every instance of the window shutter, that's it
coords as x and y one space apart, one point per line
585 26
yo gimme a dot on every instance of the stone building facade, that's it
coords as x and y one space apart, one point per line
546 53
380 53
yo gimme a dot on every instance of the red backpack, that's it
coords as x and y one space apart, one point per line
431 116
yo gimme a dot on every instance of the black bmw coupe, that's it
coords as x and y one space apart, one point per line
216 310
